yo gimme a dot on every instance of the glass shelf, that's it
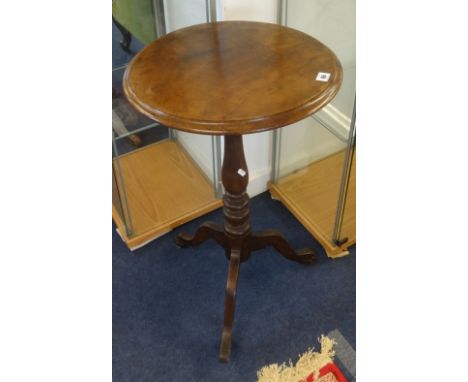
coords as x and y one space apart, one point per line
314 171
161 179
131 129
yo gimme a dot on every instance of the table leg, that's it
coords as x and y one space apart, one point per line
275 238
230 302
207 230
236 236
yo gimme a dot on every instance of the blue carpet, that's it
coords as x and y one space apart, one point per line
168 304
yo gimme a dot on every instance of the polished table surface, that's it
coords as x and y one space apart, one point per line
233 78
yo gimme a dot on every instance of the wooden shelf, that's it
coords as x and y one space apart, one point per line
311 194
165 189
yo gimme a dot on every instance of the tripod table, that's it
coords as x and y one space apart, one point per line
233 78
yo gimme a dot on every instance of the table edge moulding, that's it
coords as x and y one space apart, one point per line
234 124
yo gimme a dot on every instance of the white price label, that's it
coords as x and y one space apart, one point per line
322 76
241 172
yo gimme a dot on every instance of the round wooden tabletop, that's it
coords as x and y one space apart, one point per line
232 77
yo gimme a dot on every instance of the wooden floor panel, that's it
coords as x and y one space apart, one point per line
165 188
311 194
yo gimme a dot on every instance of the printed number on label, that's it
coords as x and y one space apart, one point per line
322 76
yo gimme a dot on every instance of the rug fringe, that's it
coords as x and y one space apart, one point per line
308 363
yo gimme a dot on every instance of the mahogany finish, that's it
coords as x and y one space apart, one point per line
235 236
233 78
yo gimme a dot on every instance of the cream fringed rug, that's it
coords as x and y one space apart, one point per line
311 366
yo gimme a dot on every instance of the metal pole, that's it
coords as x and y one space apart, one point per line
215 139
211 11
350 149
275 158
217 163
286 12
159 18
276 134
279 12
121 189
282 12
161 30
207 8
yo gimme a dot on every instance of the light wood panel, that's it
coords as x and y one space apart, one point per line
165 189
311 194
